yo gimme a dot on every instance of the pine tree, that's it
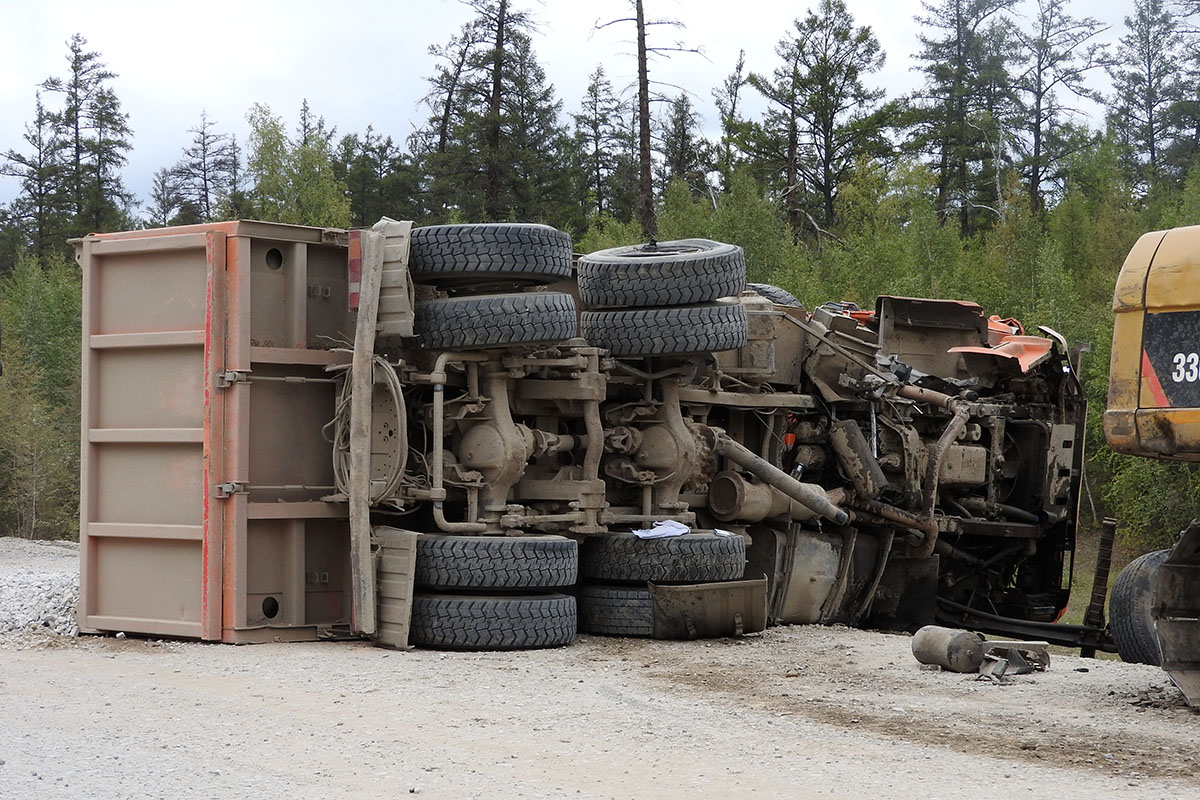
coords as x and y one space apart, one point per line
165 198
109 200
1147 86
772 145
599 140
1056 57
447 88
538 156
727 98
205 175
40 211
822 116
836 109
497 162
235 204
647 214
380 180
96 135
960 117
686 155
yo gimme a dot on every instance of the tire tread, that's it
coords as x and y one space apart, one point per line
473 622
519 251
690 558
666 331
1129 617
499 320
616 610
494 562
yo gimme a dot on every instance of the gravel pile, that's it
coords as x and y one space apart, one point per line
39 586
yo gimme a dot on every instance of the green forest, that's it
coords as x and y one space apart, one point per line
987 184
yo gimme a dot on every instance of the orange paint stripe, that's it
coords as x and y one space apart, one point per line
1151 379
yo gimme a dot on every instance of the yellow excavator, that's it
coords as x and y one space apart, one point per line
1154 411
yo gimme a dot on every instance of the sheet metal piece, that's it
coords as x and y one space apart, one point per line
709 610
1176 609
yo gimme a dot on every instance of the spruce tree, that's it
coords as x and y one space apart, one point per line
1147 86
96 137
40 212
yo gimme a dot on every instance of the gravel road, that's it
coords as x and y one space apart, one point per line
796 712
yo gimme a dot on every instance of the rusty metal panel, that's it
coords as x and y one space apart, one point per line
708 610
285 551
204 464
147 327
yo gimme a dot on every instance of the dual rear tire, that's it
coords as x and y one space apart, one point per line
494 592
663 298
476 261
617 601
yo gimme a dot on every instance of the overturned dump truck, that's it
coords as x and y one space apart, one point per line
1154 411
457 436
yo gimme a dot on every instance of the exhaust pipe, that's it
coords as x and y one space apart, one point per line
807 494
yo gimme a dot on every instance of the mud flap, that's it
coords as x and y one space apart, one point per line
1175 588
395 565
709 610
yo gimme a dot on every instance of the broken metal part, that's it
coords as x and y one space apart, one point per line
1022 657
949 648
1176 610
995 669
1094 615
707 610
854 456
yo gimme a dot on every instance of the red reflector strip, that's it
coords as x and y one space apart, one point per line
1155 386
354 268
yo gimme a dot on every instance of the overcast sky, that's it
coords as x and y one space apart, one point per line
361 62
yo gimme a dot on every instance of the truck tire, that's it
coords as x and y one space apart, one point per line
780 297
496 562
496 320
666 331
1129 616
676 273
616 610
458 254
690 558
485 622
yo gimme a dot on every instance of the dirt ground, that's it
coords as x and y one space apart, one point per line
797 712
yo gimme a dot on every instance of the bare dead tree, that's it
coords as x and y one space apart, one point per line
646 212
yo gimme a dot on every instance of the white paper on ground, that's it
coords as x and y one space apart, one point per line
662 529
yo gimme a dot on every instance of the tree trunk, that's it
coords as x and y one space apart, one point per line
646 186
1035 166
492 196
791 198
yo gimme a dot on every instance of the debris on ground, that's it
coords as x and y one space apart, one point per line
39 592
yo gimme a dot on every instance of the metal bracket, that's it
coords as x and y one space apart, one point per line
223 491
229 377
1022 657
994 668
